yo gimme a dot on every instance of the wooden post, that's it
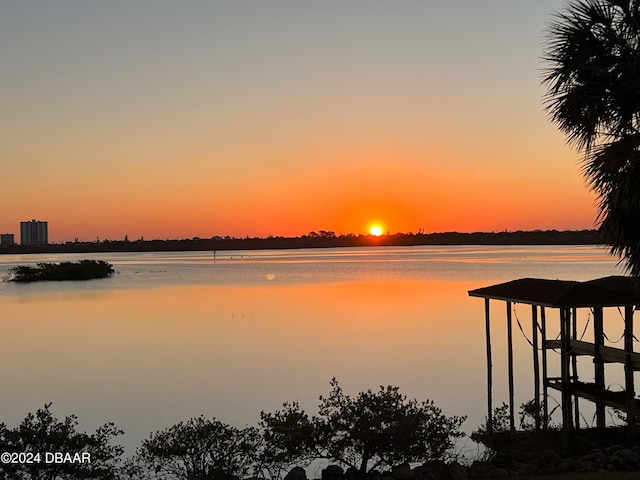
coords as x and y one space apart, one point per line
598 340
536 365
489 366
512 422
628 368
545 392
574 368
565 320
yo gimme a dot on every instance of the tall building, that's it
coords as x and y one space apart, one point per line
34 233
6 239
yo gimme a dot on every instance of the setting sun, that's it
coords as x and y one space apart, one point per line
375 230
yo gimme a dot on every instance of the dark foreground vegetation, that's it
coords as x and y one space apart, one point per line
321 239
376 435
82 270
365 434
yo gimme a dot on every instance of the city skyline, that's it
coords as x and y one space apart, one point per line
162 121
8 237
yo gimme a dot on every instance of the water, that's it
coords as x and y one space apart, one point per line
177 335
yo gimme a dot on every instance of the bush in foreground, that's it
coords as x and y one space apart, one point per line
372 430
199 449
41 432
289 439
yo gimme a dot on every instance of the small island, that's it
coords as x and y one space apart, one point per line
82 270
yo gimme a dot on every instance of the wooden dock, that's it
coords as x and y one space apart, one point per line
567 297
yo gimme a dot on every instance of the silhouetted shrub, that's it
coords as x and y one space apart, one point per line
502 439
200 448
288 440
40 436
500 421
374 429
530 414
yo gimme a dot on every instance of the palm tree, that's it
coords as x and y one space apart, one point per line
593 79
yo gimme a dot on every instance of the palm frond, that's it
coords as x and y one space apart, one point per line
593 95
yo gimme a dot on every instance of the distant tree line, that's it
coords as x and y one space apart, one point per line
320 239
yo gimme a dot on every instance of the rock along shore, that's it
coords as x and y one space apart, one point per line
514 464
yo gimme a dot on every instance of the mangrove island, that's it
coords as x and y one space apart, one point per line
82 270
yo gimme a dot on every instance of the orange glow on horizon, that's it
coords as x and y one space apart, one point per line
424 195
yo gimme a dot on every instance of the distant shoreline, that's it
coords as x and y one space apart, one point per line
321 240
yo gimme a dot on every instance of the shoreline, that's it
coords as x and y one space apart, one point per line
322 240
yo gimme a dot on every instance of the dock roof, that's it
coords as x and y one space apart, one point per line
613 291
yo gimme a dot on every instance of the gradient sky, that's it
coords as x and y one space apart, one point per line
169 119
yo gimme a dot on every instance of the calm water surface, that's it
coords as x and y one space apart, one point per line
176 335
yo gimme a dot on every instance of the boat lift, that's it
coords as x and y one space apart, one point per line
567 297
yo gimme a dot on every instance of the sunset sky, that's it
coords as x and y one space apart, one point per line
168 119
